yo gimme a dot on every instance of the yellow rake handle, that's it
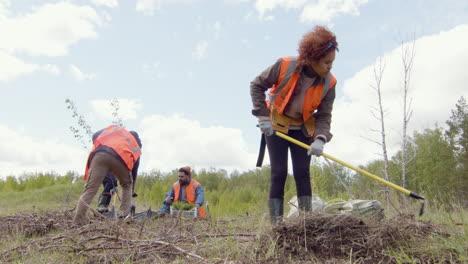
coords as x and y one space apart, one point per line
370 175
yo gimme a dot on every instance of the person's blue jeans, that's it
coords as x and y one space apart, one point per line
165 209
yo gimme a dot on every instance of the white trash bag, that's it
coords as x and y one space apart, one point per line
358 208
317 205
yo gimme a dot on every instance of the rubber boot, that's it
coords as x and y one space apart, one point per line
104 201
305 203
276 210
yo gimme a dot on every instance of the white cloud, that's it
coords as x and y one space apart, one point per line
264 6
149 7
128 109
106 16
12 67
236 1
246 42
217 29
325 10
20 153
170 142
49 30
200 50
199 24
437 82
4 4
248 16
79 75
50 68
312 10
107 3
154 70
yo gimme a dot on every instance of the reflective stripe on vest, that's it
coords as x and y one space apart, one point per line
290 64
121 141
287 81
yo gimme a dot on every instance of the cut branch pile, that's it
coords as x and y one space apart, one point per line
35 224
160 240
327 236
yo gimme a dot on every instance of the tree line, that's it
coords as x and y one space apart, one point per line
438 171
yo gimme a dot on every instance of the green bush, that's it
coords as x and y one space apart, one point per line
182 206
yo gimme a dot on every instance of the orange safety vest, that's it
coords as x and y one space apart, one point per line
121 141
282 91
190 194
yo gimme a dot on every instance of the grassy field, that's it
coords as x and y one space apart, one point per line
36 227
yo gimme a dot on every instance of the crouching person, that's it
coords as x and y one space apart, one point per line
186 190
115 150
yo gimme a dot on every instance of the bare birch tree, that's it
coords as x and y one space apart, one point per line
407 58
379 113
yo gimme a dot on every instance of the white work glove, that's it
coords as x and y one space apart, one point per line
316 148
266 128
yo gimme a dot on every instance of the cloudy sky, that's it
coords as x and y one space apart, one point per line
181 71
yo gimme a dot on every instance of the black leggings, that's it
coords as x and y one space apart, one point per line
278 152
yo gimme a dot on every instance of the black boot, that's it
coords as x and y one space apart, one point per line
276 210
305 203
104 201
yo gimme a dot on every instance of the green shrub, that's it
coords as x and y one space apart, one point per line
182 206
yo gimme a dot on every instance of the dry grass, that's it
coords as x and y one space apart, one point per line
313 238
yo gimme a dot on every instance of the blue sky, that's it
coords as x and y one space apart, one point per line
181 71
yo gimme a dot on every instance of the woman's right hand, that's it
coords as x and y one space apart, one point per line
266 128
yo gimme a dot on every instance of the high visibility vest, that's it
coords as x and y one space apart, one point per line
281 92
121 141
189 194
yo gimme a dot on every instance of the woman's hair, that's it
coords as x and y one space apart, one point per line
316 44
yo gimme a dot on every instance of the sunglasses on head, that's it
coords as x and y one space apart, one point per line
331 44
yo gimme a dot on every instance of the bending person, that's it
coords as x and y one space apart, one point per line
115 150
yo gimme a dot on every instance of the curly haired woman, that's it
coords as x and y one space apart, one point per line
301 96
